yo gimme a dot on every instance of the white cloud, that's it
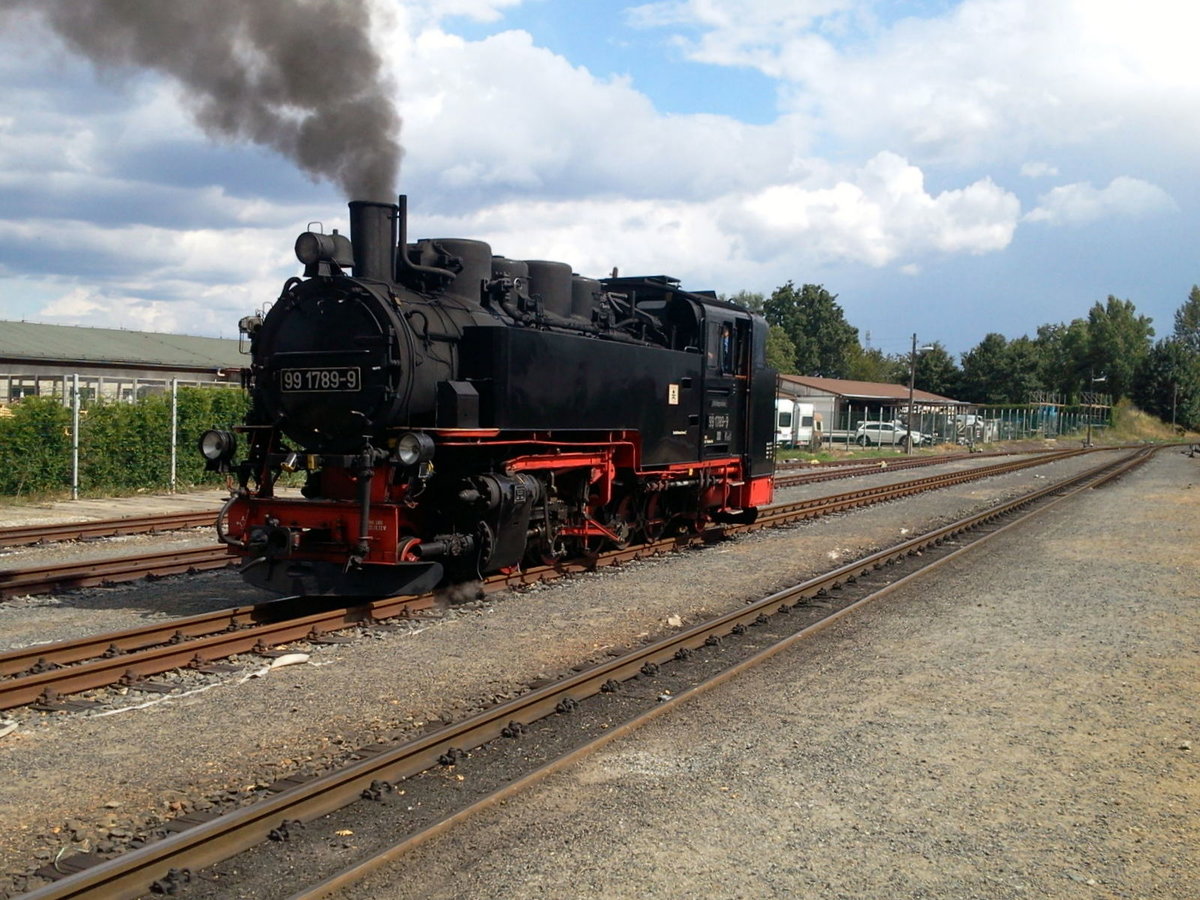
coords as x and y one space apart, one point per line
1039 169
88 306
85 305
883 212
728 16
77 305
763 34
557 162
193 281
511 143
986 81
502 117
875 215
1081 203
434 11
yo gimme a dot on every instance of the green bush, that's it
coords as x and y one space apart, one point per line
35 448
123 447
199 410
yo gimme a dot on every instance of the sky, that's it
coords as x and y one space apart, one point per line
947 169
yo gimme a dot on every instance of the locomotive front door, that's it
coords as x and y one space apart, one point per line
726 378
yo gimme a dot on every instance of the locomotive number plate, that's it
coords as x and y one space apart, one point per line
336 378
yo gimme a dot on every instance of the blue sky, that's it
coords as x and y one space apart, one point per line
945 168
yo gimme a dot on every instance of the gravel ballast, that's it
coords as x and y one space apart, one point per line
79 780
1020 724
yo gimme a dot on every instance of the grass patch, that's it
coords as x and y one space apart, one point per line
1131 425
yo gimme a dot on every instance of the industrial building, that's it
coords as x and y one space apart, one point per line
111 364
842 404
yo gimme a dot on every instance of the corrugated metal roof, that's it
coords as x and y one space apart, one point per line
32 341
867 390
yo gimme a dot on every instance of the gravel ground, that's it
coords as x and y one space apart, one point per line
91 510
1022 724
74 782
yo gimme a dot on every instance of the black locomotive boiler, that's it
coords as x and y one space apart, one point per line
457 413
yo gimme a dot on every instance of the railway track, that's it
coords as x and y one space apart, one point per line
698 656
793 475
100 528
45 674
54 577
23 535
63 576
864 496
800 464
900 455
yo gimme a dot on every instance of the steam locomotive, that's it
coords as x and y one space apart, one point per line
456 413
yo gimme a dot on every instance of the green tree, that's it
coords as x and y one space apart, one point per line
781 352
1187 321
1167 383
985 371
750 300
1167 380
122 446
1118 339
936 372
1063 357
1024 370
825 342
874 365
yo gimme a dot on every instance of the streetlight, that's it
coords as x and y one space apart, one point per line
912 379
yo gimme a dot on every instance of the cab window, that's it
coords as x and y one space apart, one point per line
727 350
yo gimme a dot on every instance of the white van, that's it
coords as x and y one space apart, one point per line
796 423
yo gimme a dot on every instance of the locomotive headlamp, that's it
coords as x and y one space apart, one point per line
414 447
313 247
217 448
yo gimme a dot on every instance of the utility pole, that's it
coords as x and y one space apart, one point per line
912 380
1091 399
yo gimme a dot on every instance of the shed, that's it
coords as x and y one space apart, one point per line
111 363
843 404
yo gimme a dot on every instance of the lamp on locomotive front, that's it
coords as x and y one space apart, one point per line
317 251
414 447
218 448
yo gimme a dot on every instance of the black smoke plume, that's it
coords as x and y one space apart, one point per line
299 76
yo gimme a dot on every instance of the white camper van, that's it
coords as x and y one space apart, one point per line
796 424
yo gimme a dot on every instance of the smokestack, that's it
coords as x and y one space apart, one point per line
373 235
299 76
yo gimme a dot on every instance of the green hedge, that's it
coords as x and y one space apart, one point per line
122 446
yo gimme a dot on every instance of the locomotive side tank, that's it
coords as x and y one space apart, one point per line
457 413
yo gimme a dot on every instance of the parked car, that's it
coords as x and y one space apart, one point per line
888 434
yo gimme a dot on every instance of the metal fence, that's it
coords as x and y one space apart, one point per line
144 445
971 425
129 388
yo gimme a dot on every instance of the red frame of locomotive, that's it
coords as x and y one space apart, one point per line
392 534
